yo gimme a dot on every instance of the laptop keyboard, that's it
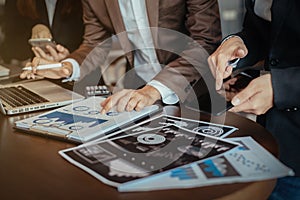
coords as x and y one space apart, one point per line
20 96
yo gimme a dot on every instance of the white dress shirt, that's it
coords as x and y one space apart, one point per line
262 8
135 18
50 4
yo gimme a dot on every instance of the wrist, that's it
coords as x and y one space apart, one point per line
68 66
152 92
232 38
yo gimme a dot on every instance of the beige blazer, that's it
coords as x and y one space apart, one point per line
197 19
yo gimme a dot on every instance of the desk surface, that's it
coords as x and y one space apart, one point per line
31 168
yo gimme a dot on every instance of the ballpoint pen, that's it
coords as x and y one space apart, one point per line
46 66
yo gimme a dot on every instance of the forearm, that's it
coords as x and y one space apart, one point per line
203 25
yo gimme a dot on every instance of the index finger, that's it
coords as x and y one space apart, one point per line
112 101
221 69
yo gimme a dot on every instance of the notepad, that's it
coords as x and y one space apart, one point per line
82 121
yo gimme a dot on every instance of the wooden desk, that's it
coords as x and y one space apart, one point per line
31 168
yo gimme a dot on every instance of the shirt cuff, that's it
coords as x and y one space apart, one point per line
76 70
167 95
230 36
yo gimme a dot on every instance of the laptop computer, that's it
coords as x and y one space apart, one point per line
30 96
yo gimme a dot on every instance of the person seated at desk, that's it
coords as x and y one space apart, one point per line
271 32
59 19
128 19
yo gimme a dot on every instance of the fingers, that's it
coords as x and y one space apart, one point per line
54 73
256 98
251 105
129 100
219 61
113 100
228 84
244 95
241 52
52 54
41 31
61 49
132 103
38 52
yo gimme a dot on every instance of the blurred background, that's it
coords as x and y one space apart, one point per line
231 11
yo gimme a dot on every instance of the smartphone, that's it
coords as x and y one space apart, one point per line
216 104
243 79
42 43
210 103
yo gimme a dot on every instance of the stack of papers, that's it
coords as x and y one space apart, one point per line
145 153
167 152
162 152
250 162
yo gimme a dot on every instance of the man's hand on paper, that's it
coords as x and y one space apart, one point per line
56 73
229 50
128 100
256 98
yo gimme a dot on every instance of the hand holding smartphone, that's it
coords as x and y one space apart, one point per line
42 43
215 103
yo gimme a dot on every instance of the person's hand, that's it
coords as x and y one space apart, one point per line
128 100
53 54
231 49
228 92
256 98
56 73
40 31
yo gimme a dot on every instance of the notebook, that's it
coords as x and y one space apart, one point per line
4 71
34 95
82 122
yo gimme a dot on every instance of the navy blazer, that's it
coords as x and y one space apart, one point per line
66 29
277 42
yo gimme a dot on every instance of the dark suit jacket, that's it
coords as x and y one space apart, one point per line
66 29
198 19
278 43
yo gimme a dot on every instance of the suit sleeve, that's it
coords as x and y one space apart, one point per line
256 36
204 30
286 88
96 44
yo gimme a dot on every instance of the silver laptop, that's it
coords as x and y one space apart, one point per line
34 95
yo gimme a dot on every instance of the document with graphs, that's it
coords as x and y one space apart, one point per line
250 162
82 121
145 154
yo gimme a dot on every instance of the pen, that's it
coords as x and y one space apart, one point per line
233 63
47 66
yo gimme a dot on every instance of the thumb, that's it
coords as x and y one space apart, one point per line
65 72
243 96
241 52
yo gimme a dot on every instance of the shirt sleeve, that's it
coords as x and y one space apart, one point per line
167 95
76 70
